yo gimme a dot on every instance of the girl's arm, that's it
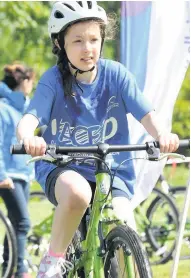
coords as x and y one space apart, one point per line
26 126
169 142
34 145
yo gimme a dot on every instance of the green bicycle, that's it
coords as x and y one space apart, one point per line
159 226
109 248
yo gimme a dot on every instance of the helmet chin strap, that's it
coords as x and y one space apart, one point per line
79 70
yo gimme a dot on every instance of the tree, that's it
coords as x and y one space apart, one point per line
112 47
181 115
24 36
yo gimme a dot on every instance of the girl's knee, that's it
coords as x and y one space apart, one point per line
73 191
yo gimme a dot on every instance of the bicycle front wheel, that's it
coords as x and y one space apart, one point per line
125 255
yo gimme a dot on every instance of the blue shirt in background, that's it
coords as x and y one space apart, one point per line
12 106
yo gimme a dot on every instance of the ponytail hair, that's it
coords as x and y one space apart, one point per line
15 73
62 63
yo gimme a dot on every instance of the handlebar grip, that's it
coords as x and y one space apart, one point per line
184 144
17 149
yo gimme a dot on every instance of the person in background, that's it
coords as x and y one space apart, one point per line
15 175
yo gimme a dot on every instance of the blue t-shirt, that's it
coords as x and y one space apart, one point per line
98 114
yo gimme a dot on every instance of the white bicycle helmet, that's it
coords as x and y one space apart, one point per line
67 12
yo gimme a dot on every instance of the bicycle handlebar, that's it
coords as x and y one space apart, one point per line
20 149
101 148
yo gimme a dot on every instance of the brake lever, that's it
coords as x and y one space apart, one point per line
152 151
177 155
52 157
59 160
45 157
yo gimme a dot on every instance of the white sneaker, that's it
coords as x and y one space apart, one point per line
53 267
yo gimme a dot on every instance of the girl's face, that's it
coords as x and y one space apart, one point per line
83 44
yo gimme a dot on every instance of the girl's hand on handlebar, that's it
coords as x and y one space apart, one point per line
169 142
35 146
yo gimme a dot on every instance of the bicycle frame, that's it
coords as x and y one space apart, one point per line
92 249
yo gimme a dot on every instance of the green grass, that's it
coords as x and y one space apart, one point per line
178 176
164 271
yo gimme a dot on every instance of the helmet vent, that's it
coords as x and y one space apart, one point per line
69 7
58 14
80 3
89 4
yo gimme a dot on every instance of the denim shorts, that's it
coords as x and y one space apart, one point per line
54 174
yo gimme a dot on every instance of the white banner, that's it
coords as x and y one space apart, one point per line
155 46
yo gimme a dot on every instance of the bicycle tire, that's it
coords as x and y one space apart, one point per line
38 194
165 257
12 243
177 189
127 238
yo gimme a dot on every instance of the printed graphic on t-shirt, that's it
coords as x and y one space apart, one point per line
86 135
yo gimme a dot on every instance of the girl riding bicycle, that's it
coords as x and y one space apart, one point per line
83 100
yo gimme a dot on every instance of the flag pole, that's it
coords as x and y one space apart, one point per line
181 231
